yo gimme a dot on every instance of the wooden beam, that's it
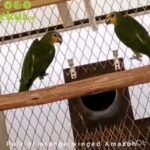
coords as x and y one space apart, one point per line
90 13
99 84
65 14
35 4
3 131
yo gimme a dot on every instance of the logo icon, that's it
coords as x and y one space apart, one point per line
19 16
8 4
27 4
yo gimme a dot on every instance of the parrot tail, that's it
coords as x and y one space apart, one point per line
24 87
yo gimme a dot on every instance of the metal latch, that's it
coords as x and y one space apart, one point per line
116 61
73 72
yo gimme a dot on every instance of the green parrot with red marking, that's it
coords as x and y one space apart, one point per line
38 58
131 33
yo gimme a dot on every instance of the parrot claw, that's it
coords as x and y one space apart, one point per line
137 57
42 76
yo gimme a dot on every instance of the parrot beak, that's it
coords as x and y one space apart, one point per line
108 19
59 40
111 19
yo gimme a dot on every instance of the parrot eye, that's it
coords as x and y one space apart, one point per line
112 15
55 35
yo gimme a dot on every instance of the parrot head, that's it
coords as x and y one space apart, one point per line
52 37
113 18
56 37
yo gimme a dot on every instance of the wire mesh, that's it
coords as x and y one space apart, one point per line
49 126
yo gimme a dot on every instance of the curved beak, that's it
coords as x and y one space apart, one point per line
59 40
107 19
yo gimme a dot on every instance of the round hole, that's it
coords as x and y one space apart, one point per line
99 102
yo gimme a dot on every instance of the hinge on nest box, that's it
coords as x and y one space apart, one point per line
116 61
73 72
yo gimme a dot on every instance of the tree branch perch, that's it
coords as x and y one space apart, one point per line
74 89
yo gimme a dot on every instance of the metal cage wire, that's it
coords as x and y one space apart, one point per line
36 127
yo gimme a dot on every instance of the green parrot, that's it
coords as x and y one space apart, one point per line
131 33
38 58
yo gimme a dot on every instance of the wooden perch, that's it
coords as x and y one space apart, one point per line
74 89
35 4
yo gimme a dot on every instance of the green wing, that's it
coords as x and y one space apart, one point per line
134 35
139 30
43 58
27 70
36 62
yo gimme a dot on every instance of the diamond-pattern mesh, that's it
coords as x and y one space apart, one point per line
49 126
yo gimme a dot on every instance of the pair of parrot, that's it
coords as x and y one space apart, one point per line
41 53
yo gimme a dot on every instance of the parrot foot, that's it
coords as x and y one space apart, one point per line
42 76
137 57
